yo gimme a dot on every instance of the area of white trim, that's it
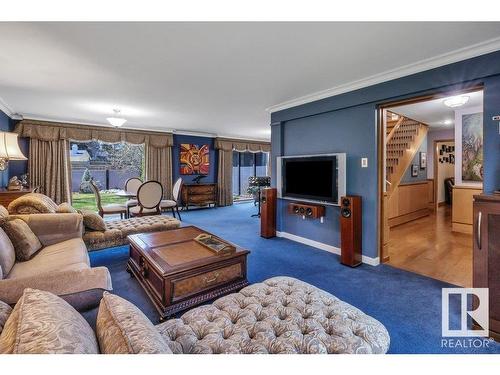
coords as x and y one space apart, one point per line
417 67
323 246
6 109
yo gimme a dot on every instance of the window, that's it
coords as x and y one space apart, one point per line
245 165
110 165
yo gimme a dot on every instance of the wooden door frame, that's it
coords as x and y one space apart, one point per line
382 253
435 173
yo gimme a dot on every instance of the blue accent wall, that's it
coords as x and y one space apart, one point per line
347 123
15 168
4 126
178 140
422 173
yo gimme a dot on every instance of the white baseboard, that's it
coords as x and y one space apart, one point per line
323 246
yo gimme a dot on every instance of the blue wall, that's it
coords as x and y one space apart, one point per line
422 173
178 140
347 123
15 168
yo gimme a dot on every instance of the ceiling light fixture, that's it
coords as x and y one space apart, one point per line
456 101
116 121
448 122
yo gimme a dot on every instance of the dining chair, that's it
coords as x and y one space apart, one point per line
131 186
173 204
149 197
107 209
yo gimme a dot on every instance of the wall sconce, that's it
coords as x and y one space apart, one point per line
9 149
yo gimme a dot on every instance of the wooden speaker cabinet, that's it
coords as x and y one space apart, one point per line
350 230
306 210
486 255
268 213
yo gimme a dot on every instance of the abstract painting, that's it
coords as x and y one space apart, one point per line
194 159
472 147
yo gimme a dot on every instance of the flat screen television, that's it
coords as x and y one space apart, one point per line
312 178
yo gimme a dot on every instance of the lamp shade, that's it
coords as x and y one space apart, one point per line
9 147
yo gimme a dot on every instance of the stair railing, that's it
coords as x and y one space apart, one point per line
394 129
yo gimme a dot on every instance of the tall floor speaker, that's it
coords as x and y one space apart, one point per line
350 230
268 213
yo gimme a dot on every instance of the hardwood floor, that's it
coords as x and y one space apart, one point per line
427 246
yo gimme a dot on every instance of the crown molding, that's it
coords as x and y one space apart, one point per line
465 53
240 138
195 133
4 107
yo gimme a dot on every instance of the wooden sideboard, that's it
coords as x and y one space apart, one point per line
199 195
7 196
486 255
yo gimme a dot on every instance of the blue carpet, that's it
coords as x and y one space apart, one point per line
409 305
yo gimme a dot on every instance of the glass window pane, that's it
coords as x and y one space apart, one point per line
236 173
246 170
109 165
247 159
262 164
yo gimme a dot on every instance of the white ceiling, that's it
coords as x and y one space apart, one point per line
434 113
207 77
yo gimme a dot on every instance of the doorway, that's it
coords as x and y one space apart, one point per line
430 168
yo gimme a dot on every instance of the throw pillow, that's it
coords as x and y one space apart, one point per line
43 323
32 203
7 254
5 311
92 221
66 208
22 237
123 329
3 212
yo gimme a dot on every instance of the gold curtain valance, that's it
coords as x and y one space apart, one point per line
226 144
53 131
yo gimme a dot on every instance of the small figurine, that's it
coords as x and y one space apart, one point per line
24 179
197 179
14 184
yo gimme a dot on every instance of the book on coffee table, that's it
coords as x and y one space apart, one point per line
215 244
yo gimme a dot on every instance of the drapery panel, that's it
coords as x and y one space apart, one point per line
225 178
225 170
158 167
49 168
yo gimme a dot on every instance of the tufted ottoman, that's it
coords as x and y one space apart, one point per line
279 315
117 230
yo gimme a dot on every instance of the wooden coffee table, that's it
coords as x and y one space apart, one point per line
177 273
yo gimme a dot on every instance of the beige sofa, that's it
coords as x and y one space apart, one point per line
281 315
116 230
62 266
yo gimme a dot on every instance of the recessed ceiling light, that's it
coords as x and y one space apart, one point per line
448 121
116 121
456 101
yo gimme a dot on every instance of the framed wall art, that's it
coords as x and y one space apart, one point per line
194 159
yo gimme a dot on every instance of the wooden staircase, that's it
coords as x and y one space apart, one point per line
403 139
